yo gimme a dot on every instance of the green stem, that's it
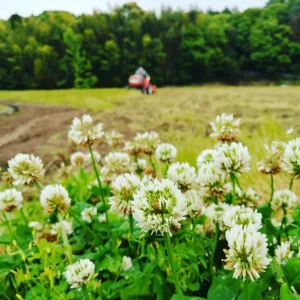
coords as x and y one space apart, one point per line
291 183
39 185
213 251
173 266
272 189
23 216
86 293
166 171
232 179
99 183
130 223
283 225
237 181
83 224
153 165
65 240
9 227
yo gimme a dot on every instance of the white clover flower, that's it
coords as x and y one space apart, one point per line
194 202
215 213
102 218
117 162
212 179
249 197
233 158
283 252
247 253
145 143
78 159
10 200
139 165
272 162
126 263
36 225
166 153
159 207
114 138
123 188
55 198
59 226
199 229
96 154
206 157
88 213
291 158
241 215
146 179
83 132
107 176
80 273
284 199
182 174
290 131
25 169
225 128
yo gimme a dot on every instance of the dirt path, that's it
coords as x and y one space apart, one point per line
35 129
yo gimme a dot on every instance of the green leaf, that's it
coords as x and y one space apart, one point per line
193 286
292 272
5 239
140 288
177 297
286 294
251 292
23 235
224 288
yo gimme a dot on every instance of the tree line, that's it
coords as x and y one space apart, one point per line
59 50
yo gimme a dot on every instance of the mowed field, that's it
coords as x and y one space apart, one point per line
181 116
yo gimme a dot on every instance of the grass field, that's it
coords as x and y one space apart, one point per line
182 115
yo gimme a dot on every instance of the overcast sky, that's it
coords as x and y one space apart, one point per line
28 7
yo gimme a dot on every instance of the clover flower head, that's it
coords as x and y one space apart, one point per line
117 162
183 175
123 188
25 169
206 157
126 263
241 215
139 165
233 158
166 153
291 158
272 161
284 199
283 252
290 131
159 207
58 227
78 159
10 200
114 138
215 213
247 253
249 197
225 128
80 273
88 213
36 225
96 154
55 198
84 133
194 202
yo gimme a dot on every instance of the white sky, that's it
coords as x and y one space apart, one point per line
28 7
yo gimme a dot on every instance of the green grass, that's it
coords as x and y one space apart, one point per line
182 115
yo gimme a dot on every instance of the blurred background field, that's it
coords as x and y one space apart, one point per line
180 114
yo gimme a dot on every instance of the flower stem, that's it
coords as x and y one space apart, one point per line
291 183
86 293
213 250
173 266
82 223
130 223
23 216
9 227
232 179
283 225
153 165
99 182
166 171
65 239
272 189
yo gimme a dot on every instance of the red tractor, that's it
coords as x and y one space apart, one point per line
141 80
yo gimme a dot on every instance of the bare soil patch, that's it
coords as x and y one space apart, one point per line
36 129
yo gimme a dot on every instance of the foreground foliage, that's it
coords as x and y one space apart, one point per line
138 224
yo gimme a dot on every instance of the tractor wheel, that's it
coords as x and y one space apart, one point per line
149 90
